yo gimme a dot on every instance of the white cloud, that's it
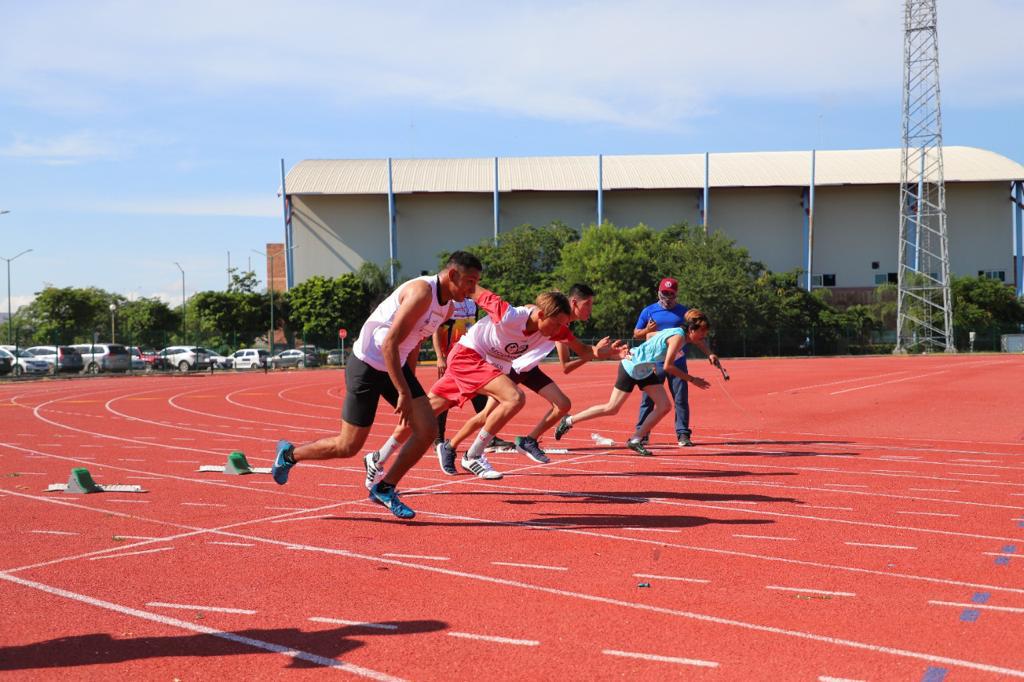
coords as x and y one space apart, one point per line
66 149
259 206
649 64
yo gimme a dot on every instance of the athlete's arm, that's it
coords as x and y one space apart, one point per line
414 301
442 358
675 344
490 303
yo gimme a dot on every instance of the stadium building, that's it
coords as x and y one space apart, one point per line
832 213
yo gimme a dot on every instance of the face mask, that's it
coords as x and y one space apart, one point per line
666 301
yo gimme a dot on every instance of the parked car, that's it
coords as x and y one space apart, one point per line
336 357
65 358
104 357
294 358
6 362
23 362
250 358
217 360
185 358
146 358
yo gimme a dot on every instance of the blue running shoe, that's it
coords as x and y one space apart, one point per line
281 466
390 500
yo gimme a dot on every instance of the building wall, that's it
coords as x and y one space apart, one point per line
768 222
854 225
656 208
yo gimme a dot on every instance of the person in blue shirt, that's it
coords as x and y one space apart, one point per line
666 313
645 367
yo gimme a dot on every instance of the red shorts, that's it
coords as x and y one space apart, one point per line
467 373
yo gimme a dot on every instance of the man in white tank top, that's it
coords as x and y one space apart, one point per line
379 368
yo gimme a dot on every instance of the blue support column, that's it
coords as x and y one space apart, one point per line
805 204
707 191
497 223
810 220
286 206
1018 237
600 189
392 231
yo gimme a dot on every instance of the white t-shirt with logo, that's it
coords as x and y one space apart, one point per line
500 338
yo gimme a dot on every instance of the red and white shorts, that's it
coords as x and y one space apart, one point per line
467 373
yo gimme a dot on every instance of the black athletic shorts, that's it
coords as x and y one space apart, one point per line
625 383
365 386
534 379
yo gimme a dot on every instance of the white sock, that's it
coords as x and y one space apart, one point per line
385 450
568 420
477 448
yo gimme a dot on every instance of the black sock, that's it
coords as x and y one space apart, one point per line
383 487
288 456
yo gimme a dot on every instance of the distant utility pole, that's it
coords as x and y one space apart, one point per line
924 313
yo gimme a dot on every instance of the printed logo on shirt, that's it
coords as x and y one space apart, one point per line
514 348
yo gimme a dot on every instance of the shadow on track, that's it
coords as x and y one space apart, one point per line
99 649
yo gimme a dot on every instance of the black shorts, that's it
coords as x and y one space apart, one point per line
365 386
625 383
534 379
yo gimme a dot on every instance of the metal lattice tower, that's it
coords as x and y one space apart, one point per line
924 308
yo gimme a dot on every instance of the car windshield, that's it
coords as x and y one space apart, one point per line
25 354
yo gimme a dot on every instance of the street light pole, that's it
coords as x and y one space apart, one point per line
270 289
10 318
113 337
184 318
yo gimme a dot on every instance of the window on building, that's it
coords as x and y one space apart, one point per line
875 265
823 280
993 274
886 278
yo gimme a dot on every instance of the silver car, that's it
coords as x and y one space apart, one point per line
294 358
23 362
104 357
66 358
185 358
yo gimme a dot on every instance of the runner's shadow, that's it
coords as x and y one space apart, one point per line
581 521
100 649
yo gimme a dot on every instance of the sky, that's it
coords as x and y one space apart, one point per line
137 135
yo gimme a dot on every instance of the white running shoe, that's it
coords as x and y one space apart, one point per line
374 473
481 467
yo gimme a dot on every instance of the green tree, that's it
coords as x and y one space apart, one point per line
146 322
225 319
524 262
67 315
320 306
983 302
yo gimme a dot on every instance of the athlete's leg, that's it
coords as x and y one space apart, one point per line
423 422
474 423
661 407
560 406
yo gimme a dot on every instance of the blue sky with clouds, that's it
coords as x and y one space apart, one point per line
135 134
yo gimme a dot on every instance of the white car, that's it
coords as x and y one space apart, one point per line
217 360
23 362
250 358
185 358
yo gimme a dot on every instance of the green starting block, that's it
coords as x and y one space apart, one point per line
237 465
81 482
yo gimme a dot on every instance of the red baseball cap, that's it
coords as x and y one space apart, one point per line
669 284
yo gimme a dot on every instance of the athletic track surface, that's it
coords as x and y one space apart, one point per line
839 519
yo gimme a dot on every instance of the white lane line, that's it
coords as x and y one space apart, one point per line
898 458
840 381
183 461
892 471
194 627
761 537
804 590
144 478
53 532
130 459
136 537
661 659
194 607
130 501
537 566
491 638
417 556
846 485
933 490
230 544
989 607
203 504
977 461
820 506
916 513
118 556
893 381
353 623
960 473
303 518
1009 554
338 485
870 544
31 473
826 678
670 577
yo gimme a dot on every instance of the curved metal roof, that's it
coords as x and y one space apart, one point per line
664 171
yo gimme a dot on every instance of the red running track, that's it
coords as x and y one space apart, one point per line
839 519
